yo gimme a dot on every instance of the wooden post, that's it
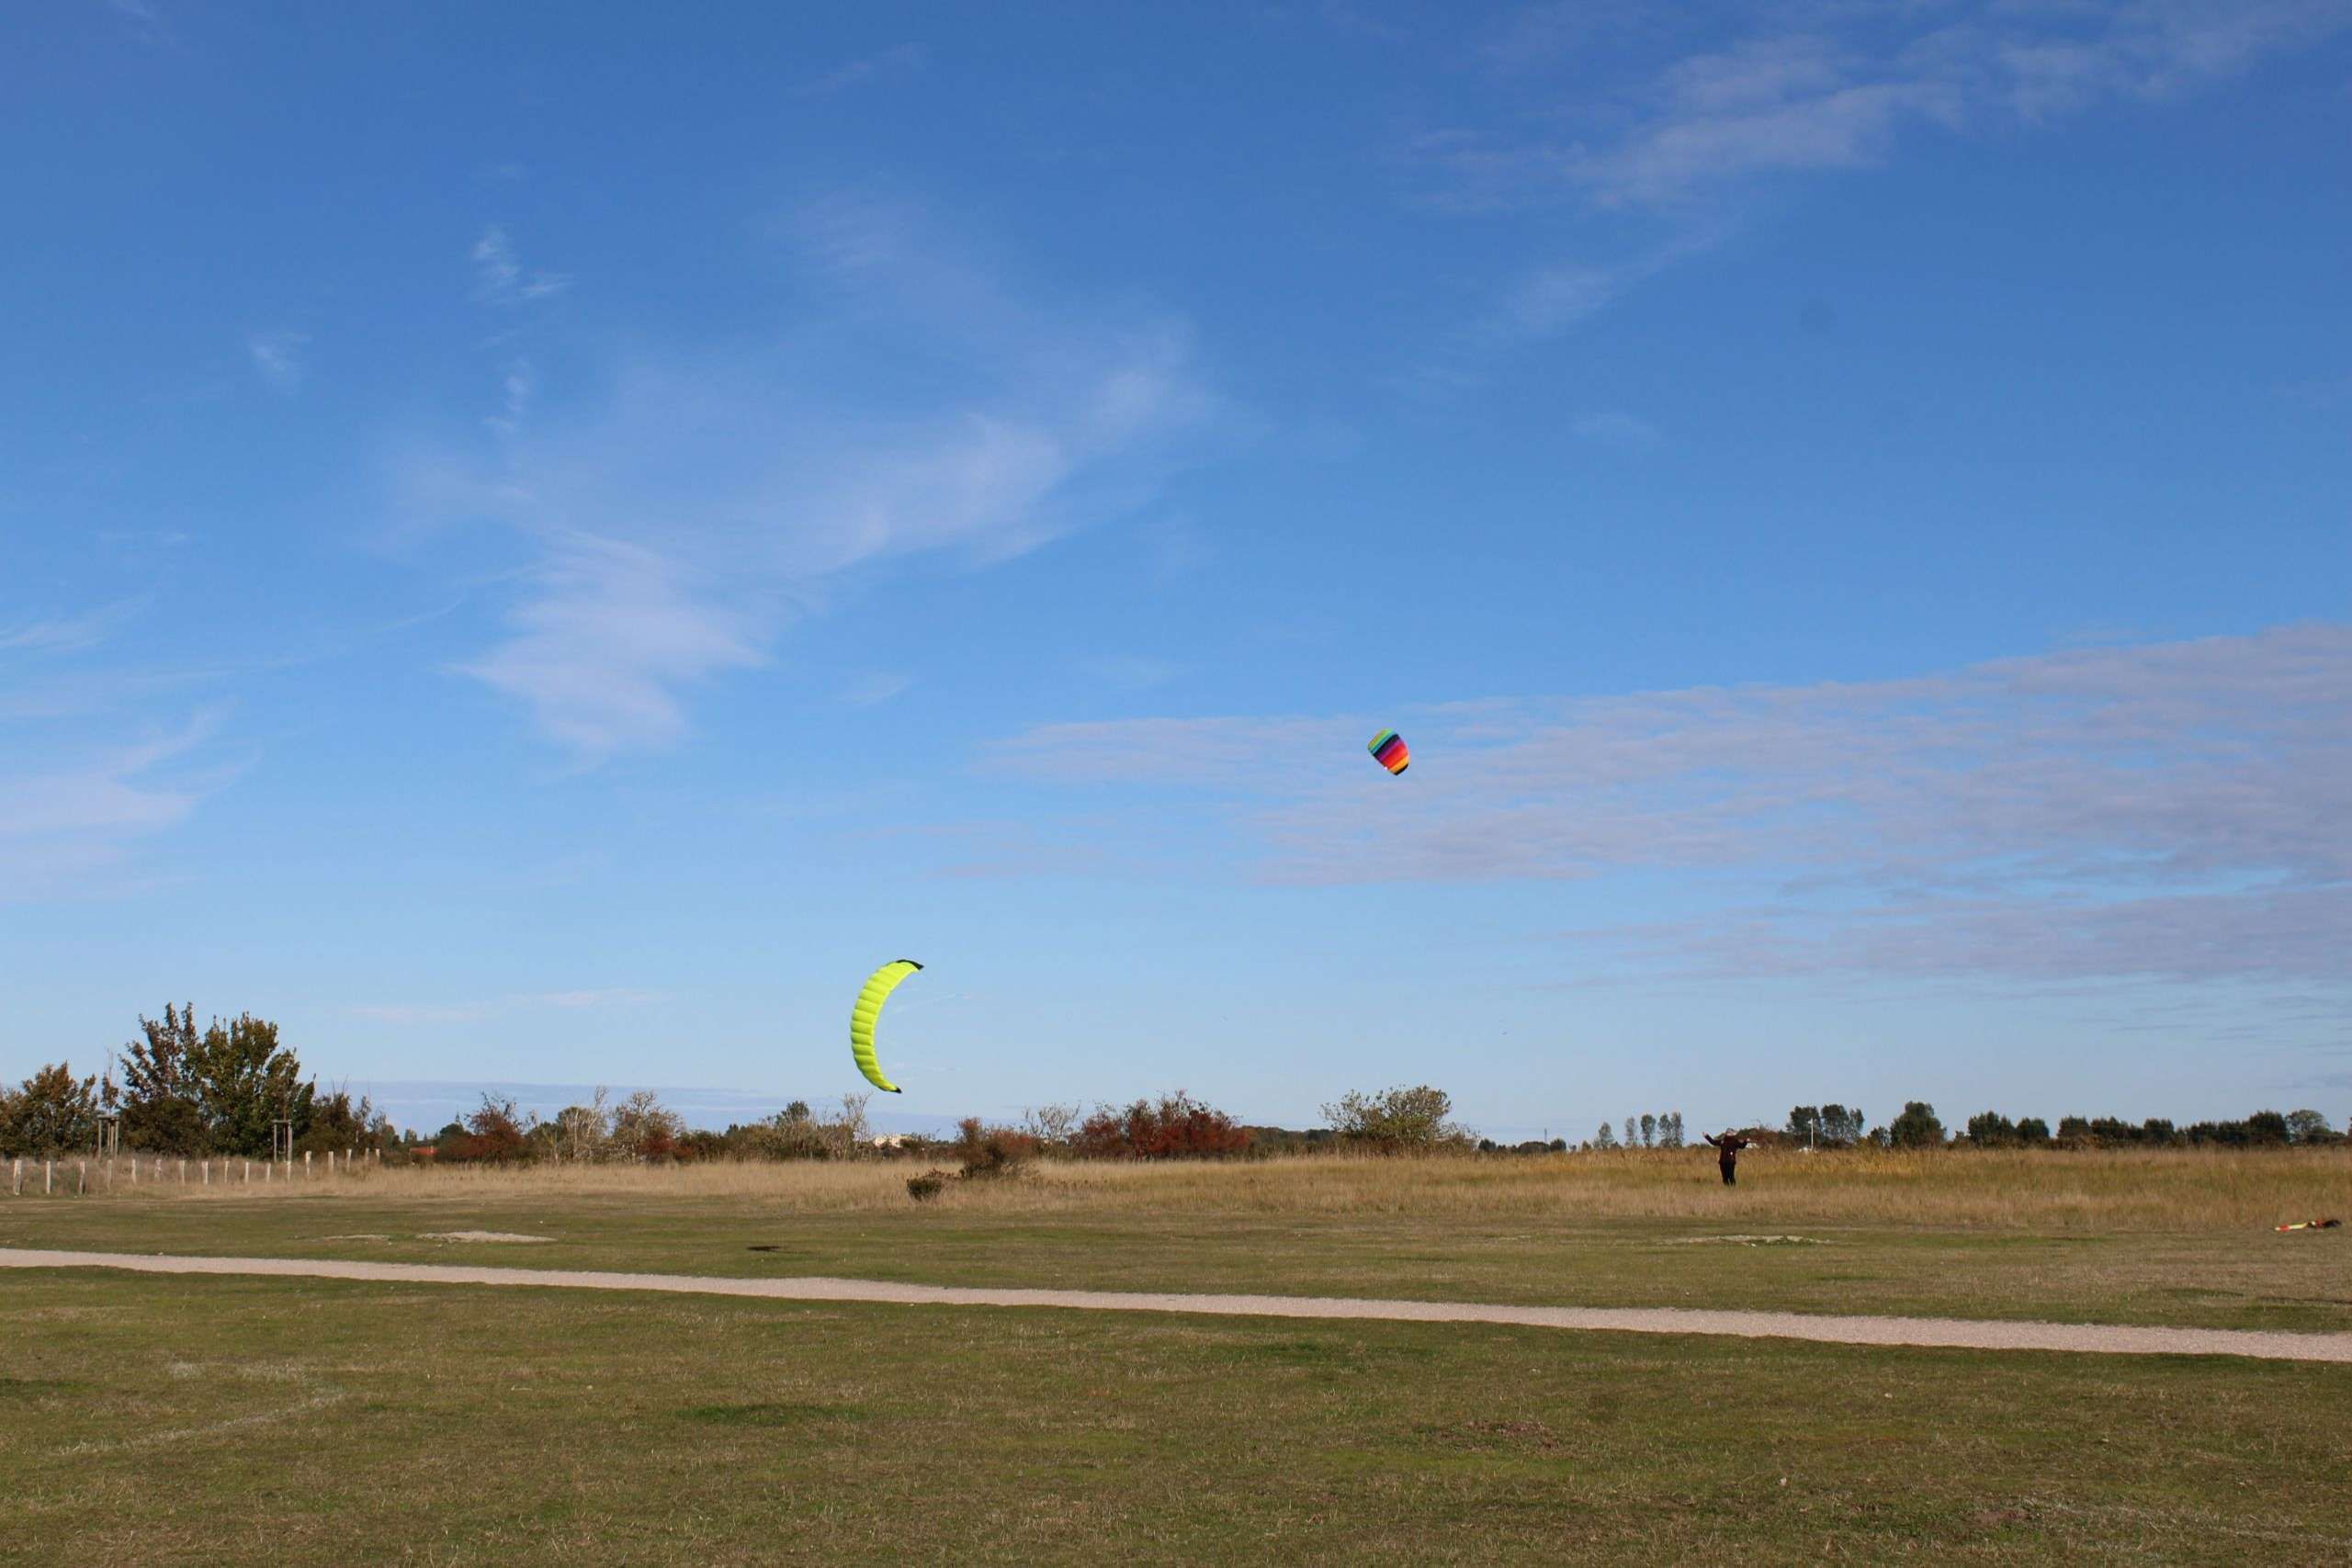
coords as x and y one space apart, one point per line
265 1170
207 1173
330 1165
249 1173
81 1177
18 1177
306 1165
48 1176
183 1173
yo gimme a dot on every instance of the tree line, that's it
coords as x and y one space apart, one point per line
182 1092
1918 1127
220 1092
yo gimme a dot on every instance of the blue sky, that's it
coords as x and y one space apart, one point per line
538 547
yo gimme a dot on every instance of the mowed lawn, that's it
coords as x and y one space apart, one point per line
2183 1239
208 1421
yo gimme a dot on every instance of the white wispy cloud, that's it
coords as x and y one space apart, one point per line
72 634
611 634
1624 114
279 356
142 19
500 276
2171 809
66 814
899 61
517 386
708 498
1815 86
869 690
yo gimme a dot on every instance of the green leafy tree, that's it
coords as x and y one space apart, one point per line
1670 1130
245 1080
1604 1139
338 1123
2311 1127
216 1092
1917 1128
163 1109
51 1112
1396 1119
1649 1130
2032 1130
1992 1129
1841 1125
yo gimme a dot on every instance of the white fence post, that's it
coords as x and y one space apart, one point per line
266 1169
48 1176
207 1173
18 1176
249 1173
306 1165
81 1177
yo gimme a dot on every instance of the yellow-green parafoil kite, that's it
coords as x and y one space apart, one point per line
868 1010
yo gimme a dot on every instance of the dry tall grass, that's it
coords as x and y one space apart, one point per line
2037 1192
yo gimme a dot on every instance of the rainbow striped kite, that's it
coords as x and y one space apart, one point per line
1387 749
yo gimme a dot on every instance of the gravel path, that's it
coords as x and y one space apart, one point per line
1970 1334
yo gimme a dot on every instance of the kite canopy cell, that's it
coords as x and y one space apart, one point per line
869 1012
1387 749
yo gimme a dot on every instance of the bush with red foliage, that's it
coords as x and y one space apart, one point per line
492 1135
1178 1127
991 1151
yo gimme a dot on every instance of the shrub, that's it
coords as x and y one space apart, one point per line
988 1151
497 1133
1054 1127
702 1143
929 1185
643 1128
1177 1127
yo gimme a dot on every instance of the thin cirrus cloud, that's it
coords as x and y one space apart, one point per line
1815 87
277 355
1621 116
2173 810
894 63
72 634
708 499
500 276
66 817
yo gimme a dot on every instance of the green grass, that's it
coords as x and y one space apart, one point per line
206 1421
2228 1279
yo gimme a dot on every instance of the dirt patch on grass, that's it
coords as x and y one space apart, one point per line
481 1235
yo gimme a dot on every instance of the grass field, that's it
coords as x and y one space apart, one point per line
229 1420
210 1420
2167 1238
